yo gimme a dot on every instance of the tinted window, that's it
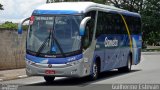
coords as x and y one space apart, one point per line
110 23
134 24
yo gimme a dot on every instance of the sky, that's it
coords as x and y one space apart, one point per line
16 10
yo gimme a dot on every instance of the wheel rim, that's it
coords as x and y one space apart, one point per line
95 70
129 64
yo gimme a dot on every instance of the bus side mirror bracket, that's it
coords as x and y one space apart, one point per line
20 30
83 25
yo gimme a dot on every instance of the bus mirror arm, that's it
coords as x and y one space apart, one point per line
20 25
83 25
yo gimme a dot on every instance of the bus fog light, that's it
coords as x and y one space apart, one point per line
73 71
30 62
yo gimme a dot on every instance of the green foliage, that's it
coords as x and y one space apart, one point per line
8 25
12 26
1 7
25 27
151 19
131 5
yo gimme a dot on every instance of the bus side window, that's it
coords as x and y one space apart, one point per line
134 24
101 25
137 25
128 22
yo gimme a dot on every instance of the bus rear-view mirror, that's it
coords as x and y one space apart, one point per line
20 30
83 25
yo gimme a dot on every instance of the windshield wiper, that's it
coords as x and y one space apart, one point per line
46 40
56 41
43 44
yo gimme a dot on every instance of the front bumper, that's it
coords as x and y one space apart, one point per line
61 70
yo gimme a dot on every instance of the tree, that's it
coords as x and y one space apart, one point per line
130 5
11 26
8 25
1 7
151 19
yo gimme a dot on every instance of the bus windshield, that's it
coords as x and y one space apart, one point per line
54 34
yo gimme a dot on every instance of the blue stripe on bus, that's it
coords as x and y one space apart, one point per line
41 12
53 60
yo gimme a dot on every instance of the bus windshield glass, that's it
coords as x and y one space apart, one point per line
54 34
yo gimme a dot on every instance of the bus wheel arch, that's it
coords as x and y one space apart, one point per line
98 61
129 62
131 57
95 68
128 66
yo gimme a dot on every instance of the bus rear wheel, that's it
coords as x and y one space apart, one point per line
128 67
49 79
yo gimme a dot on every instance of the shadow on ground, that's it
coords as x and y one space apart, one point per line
83 81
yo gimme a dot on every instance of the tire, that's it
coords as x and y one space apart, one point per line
128 67
95 71
49 79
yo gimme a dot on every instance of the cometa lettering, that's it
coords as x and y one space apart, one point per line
110 43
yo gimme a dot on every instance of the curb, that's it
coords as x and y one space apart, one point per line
13 78
150 53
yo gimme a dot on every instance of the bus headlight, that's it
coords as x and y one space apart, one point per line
29 62
73 62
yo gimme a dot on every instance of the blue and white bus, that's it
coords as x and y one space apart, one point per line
77 39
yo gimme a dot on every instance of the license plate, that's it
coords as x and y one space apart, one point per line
50 72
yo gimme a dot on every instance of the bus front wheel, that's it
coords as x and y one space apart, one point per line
49 79
95 71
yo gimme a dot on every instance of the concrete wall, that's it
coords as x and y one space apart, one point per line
12 49
153 47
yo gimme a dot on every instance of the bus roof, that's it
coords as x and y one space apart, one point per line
77 8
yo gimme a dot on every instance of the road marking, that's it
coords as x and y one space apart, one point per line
22 76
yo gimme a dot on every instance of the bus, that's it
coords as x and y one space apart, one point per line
77 39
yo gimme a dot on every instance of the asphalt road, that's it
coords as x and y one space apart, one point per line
147 72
